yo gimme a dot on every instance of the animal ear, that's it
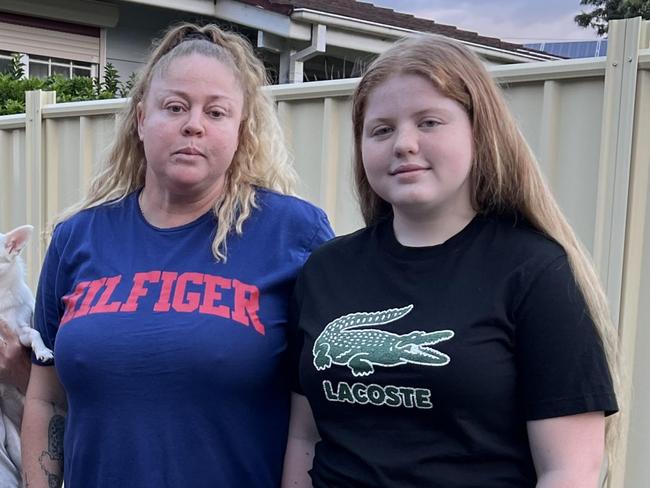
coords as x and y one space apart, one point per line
16 239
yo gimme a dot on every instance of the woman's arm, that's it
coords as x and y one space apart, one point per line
303 436
14 359
568 451
42 429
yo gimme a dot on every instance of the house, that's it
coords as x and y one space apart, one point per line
298 40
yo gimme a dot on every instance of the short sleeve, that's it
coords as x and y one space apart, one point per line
322 233
48 308
295 337
560 358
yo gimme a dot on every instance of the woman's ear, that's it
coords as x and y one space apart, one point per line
139 112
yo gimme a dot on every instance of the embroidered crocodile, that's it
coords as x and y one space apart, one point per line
342 343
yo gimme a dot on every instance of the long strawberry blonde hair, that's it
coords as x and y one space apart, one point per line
261 159
505 175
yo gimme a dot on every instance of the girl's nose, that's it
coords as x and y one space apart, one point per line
406 142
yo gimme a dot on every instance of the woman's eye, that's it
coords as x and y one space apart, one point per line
216 114
175 108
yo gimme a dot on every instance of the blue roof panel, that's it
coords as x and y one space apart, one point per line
573 49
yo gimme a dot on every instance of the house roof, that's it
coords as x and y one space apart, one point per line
386 16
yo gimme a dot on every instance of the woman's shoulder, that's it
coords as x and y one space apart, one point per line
298 220
276 201
81 221
290 211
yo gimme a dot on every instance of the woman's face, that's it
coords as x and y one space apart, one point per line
189 125
417 147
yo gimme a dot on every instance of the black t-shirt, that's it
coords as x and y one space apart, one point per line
422 365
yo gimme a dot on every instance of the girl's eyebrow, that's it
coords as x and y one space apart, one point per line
425 111
434 110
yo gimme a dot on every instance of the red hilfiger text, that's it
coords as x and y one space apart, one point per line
184 292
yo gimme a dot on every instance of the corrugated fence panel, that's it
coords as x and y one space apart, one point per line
561 124
12 179
562 127
75 149
319 133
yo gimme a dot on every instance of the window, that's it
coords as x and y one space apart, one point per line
5 62
42 66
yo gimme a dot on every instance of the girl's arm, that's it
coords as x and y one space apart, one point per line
303 436
568 451
42 429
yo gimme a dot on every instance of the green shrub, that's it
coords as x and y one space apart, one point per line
75 89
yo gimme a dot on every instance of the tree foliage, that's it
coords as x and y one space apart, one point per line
16 69
605 10
13 86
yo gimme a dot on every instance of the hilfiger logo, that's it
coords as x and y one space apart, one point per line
184 292
344 343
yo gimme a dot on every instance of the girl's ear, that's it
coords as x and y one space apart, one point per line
16 239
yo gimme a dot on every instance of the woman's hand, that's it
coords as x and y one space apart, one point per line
14 359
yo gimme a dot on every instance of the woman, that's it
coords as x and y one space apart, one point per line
164 294
457 340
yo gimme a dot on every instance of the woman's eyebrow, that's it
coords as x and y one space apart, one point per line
184 94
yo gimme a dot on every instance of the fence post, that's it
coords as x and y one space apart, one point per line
615 150
632 469
35 197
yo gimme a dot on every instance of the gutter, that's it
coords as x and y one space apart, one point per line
391 32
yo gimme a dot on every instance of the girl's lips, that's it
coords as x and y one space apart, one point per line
408 168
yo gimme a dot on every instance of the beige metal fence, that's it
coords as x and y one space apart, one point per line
588 121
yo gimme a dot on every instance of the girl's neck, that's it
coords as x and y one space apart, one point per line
418 230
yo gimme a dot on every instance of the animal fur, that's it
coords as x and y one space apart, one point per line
16 309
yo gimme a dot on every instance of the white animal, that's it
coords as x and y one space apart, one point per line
16 299
16 309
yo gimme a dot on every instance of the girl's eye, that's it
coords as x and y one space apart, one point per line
216 114
381 131
429 123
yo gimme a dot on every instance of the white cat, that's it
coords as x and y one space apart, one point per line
16 309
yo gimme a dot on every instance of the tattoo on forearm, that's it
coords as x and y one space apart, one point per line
51 460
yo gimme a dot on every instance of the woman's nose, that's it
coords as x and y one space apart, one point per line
194 123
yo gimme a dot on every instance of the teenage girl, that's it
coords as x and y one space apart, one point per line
462 338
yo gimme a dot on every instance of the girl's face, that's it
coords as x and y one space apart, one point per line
189 124
417 148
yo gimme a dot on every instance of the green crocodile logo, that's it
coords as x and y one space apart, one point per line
342 343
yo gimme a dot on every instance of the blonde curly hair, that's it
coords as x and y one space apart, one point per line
261 159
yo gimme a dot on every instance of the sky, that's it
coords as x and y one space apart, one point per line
510 20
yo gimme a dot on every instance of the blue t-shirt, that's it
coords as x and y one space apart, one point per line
173 363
